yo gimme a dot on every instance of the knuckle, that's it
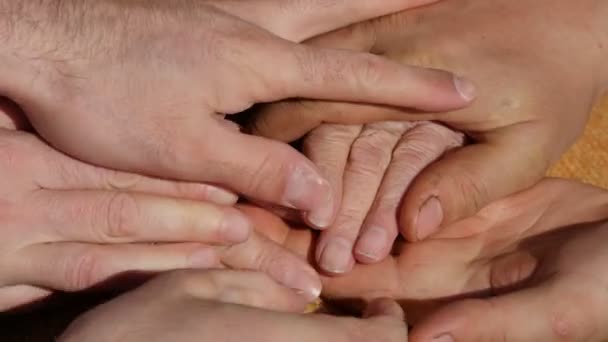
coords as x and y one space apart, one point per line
447 136
349 220
333 133
371 154
321 67
270 168
117 180
309 63
396 128
274 262
83 271
416 153
118 214
328 145
175 147
367 69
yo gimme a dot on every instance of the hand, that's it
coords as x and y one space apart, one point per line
525 59
67 225
147 84
371 166
498 249
564 301
226 306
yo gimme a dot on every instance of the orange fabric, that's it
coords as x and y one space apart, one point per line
587 161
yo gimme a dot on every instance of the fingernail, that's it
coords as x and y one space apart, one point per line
429 218
307 286
235 226
444 338
337 256
203 258
304 280
306 190
372 243
465 88
221 196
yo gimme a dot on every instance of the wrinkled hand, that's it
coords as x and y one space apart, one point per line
538 68
507 244
226 306
68 226
144 86
371 166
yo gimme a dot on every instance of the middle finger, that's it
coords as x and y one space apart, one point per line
369 158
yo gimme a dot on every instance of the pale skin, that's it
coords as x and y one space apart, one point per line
70 226
543 265
189 306
536 80
161 76
151 74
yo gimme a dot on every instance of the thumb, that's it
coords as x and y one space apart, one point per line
465 181
546 313
268 171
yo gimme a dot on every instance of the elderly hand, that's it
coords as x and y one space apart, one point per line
538 68
505 245
371 166
143 86
226 306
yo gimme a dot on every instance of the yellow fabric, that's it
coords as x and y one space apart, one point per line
587 161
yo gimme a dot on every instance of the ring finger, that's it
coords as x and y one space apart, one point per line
417 148
369 157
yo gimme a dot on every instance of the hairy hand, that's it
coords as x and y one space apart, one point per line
143 86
